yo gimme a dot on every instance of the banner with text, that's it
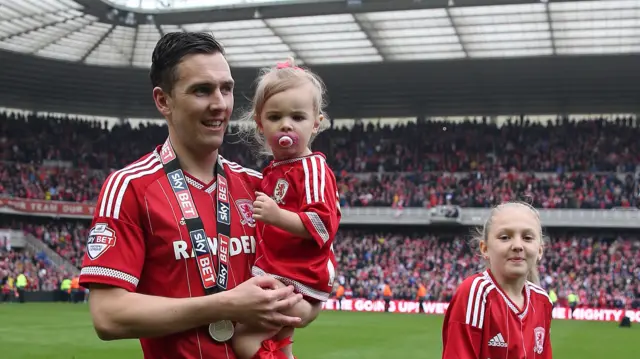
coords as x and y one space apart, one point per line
46 208
401 306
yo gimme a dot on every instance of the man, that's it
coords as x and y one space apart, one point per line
21 286
177 224
6 285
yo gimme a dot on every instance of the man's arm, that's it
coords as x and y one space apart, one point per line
112 266
119 314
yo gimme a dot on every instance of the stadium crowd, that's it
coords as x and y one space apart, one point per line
66 237
602 269
584 164
40 273
479 189
587 164
565 146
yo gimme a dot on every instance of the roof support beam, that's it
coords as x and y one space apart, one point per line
367 29
43 26
553 36
57 12
455 29
159 28
96 44
7 37
65 34
135 43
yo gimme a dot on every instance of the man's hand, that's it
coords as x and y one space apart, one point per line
259 302
265 209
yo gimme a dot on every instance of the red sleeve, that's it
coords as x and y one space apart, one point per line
319 200
462 327
115 250
546 351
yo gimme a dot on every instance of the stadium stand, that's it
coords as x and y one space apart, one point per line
415 165
603 269
435 168
40 272
431 146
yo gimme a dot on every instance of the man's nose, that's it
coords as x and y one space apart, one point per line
217 102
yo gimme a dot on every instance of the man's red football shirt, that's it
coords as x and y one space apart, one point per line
481 322
306 186
139 242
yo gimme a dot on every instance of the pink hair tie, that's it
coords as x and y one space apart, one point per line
285 65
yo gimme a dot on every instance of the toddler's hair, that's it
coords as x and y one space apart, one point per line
271 81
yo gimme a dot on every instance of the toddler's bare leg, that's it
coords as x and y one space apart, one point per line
304 310
286 332
247 341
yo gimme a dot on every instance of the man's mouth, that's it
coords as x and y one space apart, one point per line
213 124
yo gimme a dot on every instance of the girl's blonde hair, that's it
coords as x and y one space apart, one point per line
482 233
274 80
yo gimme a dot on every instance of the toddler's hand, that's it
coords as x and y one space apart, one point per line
265 209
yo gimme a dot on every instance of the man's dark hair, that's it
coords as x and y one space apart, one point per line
172 48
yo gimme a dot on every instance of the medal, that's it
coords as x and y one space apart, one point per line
221 331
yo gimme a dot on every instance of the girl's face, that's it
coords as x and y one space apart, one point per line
288 120
514 242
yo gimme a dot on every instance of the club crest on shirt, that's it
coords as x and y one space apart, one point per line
280 190
101 238
245 207
539 334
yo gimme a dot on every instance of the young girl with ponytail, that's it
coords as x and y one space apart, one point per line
502 313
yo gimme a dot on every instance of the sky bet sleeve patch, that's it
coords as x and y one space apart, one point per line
101 238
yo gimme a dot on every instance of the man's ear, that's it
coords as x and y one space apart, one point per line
162 101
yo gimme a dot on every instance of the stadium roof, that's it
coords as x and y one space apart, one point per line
481 60
157 6
122 33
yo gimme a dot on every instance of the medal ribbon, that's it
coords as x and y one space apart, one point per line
211 281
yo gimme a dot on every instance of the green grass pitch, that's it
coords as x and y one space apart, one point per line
64 331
